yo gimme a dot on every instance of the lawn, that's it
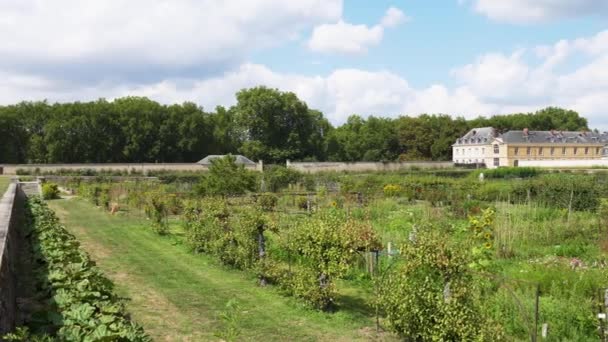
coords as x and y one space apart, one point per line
180 296
4 182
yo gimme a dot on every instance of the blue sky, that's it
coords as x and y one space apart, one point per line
433 41
385 58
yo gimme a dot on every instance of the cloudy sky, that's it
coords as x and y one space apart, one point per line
463 57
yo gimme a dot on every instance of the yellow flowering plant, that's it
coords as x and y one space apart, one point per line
481 228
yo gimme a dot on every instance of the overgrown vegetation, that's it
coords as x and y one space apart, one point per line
505 237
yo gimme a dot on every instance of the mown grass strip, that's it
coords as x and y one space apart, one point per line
4 182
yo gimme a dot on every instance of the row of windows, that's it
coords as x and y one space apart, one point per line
472 140
552 150
468 161
459 151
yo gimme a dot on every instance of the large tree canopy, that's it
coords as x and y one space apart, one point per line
265 124
277 125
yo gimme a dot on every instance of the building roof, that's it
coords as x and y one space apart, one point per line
239 159
481 135
515 137
485 135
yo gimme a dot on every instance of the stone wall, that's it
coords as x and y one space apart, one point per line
580 163
314 167
11 169
11 211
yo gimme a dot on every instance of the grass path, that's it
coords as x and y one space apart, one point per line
4 182
177 296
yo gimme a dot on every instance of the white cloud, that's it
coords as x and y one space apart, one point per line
120 37
526 11
569 73
393 17
346 38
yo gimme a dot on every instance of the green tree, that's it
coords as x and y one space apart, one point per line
225 177
276 125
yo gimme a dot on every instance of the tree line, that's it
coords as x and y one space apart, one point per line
265 124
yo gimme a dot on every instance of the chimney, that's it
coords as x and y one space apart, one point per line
552 132
526 132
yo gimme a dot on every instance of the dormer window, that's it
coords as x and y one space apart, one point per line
496 149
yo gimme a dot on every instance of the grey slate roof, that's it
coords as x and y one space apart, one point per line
239 159
485 135
514 137
482 135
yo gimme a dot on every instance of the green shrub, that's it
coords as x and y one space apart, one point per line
279 177
225 177
433 296
392 190
157 210
302 202
578 192
507 172
234 238
327 245
50 191
267 201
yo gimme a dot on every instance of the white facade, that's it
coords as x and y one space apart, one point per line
475 147
470 154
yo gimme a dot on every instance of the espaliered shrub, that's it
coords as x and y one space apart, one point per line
80 304
432 295
236 239
327 244
157 210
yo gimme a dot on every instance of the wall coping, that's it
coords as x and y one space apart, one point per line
9 211
6 216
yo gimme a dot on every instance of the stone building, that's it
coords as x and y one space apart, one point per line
484 146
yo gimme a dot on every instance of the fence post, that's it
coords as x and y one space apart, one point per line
308 204
536 309
605 313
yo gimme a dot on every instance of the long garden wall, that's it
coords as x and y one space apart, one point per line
143 168
313 167
581 163
11 211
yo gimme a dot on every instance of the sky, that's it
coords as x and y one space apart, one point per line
367 57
